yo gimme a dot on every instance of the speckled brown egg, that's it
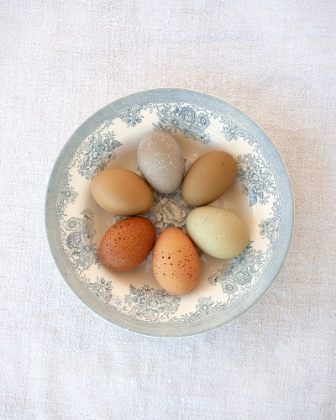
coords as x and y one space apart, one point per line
176 263
127 243
208 178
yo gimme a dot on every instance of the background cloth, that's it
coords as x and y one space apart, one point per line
60 61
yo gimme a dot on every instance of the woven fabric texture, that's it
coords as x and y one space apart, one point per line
60 61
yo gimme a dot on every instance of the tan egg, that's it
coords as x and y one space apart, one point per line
176 263
127 243
208 178
122 192
161 161
217 232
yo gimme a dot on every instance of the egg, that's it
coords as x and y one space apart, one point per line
161 161
127 243
217 232
122 192
176 263
208 178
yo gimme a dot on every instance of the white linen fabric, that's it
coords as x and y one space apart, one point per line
60 61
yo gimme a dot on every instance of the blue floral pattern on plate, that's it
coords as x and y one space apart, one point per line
101 288
205 307
75 224
150 304
94 154
67 194
191 121
78 233
256 178
168 211
237 276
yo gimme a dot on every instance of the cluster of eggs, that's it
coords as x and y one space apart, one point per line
176 262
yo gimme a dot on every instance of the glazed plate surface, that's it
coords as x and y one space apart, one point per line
261 196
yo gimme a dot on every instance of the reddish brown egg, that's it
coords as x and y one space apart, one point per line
127 243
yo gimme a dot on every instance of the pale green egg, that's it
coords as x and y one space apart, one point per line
217 232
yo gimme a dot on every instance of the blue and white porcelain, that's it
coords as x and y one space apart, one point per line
261 196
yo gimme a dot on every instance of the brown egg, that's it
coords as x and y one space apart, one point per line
208 178
176 263
127 243
122 192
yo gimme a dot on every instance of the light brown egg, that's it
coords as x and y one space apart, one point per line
176 263
208 178
122 192
127 243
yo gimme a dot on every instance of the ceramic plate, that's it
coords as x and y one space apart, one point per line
261 196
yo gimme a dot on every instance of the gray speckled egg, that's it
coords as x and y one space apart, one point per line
161 162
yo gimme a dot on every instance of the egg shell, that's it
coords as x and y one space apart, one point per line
122 192
217 232
208 178
161 161
127 243
176 263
